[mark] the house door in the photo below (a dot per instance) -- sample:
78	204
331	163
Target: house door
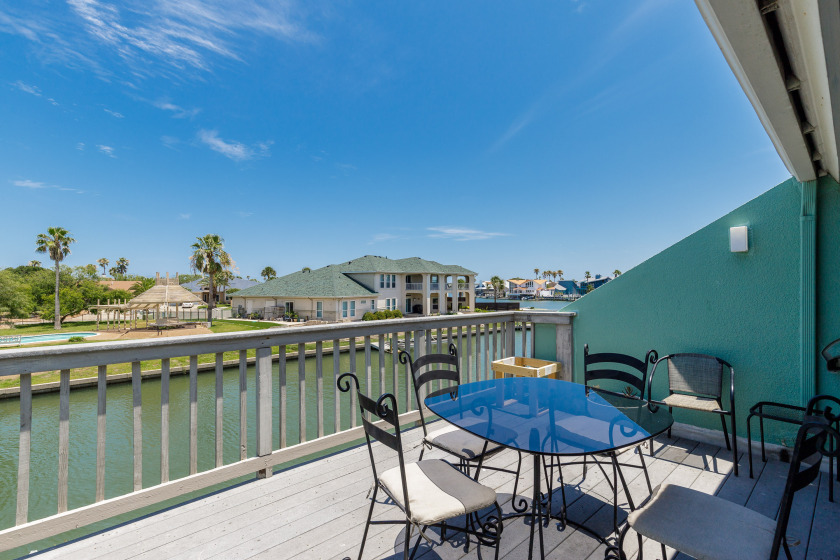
408	305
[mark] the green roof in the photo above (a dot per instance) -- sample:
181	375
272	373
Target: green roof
332	281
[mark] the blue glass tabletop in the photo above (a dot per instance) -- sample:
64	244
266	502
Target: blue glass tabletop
547	416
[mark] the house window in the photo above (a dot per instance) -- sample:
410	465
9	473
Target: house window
381	280
373	304
344	309
352	308
319	309
290	307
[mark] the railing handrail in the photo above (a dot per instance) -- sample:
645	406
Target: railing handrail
49	358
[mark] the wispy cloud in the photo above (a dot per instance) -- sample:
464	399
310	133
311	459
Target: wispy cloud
184	216
80	146
232	149
177	111
33	90
107	150
156	37
382	237
462	233
114	114
38	185
244	214
169	141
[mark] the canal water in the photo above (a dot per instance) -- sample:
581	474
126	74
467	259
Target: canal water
541	305
119	451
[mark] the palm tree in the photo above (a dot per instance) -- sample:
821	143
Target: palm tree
616	273
498	285
209	257
536	273
56	242
142	285
103	262
306	269
268	273
122	265
35	264
587	275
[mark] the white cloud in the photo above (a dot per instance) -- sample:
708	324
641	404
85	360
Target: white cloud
169	141
80	146
244	214
107	150
381	237
177	112
462	234
37	185
184	216
114	113
232	149
154	37
34	90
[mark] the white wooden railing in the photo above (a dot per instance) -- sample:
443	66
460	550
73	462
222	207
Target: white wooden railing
414	286
480	338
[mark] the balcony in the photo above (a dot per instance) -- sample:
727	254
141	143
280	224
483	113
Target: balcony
461	286
258	411
434	286
414	286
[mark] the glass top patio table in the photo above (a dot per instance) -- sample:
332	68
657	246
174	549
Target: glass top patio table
548	416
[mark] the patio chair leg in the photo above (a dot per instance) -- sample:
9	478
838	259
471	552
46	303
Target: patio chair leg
644	468
761	427
734	443
623	482
407	539
664	554
671	412
749	443
584	466
367	523
518	471
419	538
725	432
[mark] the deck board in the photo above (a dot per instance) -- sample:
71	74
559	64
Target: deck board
317	510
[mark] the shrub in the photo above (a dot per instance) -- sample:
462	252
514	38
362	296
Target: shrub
380	315
368	316
76	339
397	314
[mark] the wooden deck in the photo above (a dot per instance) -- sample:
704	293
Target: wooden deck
317	510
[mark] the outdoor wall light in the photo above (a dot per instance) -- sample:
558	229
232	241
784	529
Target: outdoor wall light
739	239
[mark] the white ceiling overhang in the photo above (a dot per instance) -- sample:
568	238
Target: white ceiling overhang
786	56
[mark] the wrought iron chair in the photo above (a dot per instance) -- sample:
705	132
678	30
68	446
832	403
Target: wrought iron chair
695	382
705	526
470	449
609	366
428	492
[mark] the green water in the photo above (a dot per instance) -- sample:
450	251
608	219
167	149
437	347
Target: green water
43	500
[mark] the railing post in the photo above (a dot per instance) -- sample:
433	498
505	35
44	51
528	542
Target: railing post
565	353
510	335
263	407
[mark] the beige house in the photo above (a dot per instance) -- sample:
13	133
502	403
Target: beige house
346	291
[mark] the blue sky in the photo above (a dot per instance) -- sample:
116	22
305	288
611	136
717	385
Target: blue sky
502	136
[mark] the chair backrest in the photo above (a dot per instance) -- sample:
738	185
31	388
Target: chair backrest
698	374
432	367
812	444
817	407
605	365
383	409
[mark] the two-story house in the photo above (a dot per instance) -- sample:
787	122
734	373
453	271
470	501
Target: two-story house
345	291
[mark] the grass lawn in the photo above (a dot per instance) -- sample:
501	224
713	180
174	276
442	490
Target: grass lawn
47	328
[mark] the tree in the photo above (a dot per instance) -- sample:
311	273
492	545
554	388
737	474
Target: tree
559	273
14	295
113	272
122	265
35	264
587	275
56	242
536	273
103	262
306	269
142	285
210	258
268	273
616	273
498	285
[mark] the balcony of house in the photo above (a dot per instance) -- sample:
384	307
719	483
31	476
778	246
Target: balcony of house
461	286
414	287
240	446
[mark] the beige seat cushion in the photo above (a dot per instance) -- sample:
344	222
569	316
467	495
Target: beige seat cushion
460	442
704	526
436	491
692	402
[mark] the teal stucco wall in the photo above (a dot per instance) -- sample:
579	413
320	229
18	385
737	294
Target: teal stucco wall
697	296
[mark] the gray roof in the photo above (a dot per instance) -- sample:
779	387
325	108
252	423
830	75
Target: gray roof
235	284
333	281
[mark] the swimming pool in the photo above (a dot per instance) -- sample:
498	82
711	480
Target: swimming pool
51	337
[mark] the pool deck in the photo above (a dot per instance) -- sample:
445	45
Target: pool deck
317	510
